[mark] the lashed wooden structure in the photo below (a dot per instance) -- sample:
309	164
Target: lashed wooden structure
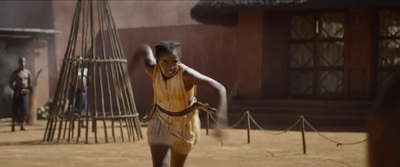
93	86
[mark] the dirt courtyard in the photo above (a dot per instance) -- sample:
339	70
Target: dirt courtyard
25	148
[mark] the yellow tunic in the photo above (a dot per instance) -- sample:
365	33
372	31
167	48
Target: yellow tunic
171	94
181	132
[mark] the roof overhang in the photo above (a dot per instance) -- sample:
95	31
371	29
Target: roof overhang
26	32
225	12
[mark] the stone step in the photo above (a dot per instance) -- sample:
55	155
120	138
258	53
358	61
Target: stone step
303	104
299	111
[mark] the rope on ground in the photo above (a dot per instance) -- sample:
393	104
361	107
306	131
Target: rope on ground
333	141
272	133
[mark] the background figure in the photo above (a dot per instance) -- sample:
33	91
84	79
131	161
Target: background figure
78	89
20	83
384	128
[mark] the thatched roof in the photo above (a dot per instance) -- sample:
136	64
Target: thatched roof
225	12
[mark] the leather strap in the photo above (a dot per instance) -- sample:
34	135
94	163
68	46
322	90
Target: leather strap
180	113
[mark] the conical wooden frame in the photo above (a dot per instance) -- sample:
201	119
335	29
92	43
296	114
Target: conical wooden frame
93	92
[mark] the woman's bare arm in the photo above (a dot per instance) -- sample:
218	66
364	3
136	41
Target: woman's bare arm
146	54
192	77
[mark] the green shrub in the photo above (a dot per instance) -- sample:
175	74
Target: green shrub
44	111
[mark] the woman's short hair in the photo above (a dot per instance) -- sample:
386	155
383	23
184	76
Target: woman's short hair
168	47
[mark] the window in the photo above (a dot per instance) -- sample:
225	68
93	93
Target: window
316	56
389	45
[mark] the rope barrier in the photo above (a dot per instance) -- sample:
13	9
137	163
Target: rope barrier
333	141
271	133
288	129
234	125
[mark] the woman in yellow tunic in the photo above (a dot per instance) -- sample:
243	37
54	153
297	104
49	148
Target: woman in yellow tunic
174	124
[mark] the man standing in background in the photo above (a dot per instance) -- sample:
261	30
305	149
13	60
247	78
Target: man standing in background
20	83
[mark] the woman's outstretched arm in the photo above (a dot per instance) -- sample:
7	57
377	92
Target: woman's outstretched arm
192	77
145	53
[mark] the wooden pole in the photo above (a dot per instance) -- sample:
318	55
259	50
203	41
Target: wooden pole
32	116
248	127
208	123
303	135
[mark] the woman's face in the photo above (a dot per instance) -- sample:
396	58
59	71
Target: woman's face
169	64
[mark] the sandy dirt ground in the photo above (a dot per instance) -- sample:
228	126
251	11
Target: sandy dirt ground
25	148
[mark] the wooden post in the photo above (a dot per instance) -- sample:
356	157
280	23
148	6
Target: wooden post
208	123
248	127
303	135
32	115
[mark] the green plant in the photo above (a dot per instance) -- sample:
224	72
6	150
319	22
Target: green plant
44	111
